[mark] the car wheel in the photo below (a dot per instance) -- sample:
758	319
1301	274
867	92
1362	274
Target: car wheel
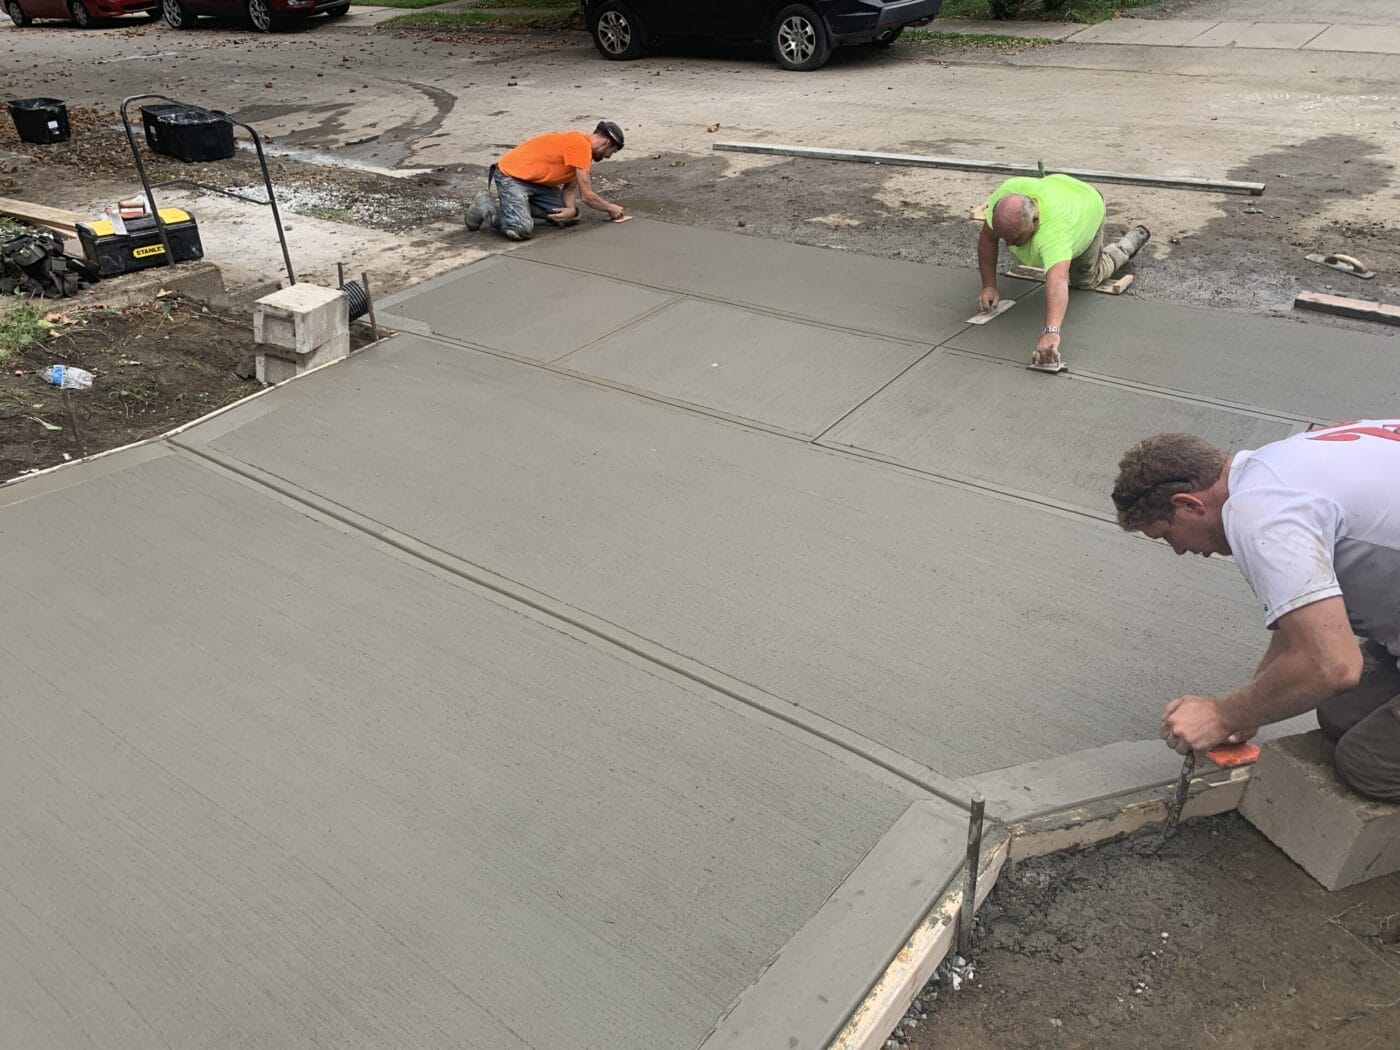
889	36
260	14
81	18
799	39
176	15
17	15
616	32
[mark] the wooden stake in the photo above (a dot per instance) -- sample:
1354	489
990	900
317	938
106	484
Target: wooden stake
73	422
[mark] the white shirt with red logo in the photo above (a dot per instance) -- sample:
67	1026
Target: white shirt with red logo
1317	515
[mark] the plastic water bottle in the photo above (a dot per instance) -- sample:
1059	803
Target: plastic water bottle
66	377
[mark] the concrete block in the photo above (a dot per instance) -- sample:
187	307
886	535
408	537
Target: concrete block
275	364
302	317
1296	799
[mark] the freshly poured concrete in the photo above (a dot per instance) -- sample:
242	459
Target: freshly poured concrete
514	306
494	688
924	304
952	414
287	789
800	377
1278	366
907	611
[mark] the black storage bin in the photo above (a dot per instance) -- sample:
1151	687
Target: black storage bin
188	134
40	120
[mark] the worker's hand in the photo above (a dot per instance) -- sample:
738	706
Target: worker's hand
989	299
564	214
615	212
1193	722
1047	349
1243	736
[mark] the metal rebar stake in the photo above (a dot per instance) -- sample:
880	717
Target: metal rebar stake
974	858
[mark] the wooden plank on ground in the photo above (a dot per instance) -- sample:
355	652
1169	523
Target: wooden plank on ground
1340	304
42	215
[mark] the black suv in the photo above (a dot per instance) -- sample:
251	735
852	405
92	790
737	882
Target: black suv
801	36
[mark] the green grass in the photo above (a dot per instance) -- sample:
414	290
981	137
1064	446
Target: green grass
486	5
22	325
545	19
396	3
9	228
994	41
1052	10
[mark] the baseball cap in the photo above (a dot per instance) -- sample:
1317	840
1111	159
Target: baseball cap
611	130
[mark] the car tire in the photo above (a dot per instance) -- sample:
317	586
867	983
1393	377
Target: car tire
616	33
177	15
889	36
17	15
260	15
82	17
799	39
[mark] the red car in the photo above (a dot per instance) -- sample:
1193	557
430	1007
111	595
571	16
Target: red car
83	13
265	15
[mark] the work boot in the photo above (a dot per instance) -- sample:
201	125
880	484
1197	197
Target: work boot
514	235
477	211
1131	242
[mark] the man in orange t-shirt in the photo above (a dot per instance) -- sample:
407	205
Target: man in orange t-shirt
544	178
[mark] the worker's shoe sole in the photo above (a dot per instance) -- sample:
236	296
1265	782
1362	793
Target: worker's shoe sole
476	211
1132	241
514	235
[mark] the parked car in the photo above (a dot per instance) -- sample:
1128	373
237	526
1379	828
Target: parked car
265	15
800	35
82	13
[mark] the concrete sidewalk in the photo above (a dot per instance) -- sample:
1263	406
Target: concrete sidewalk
1286	36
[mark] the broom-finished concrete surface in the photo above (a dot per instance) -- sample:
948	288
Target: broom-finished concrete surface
605	661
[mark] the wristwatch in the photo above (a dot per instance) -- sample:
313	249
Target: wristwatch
1050	329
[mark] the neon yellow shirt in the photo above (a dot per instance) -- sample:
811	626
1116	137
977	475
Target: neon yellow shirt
1071	213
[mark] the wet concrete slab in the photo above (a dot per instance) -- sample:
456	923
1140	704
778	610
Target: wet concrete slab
518	307
924	617
1277	366
749	365
942	417
302	791
912	301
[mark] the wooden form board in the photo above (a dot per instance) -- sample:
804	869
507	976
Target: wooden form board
1340	304
41	215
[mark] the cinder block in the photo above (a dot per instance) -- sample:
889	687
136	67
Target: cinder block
1296	799
302	317
276	364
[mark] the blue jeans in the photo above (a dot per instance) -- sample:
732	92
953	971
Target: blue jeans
521	203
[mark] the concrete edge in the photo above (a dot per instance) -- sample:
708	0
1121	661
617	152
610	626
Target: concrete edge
1077	827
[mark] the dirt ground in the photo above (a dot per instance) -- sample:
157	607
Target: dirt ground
156	366
1211	939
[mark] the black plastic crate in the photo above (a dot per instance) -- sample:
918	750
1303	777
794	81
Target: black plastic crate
187	134
40	120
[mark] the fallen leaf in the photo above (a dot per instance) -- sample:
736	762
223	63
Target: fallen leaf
712	128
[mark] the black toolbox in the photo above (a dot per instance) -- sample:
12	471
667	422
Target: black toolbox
188	134
114	253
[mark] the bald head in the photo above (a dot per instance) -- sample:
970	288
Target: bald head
1014	218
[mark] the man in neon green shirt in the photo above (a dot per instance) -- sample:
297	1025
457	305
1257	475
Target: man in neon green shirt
1055	223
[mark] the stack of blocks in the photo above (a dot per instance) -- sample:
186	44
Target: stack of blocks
299	328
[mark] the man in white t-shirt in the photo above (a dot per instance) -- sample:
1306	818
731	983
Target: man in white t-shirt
1313	522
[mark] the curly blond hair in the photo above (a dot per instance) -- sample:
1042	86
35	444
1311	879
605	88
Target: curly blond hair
1156	469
